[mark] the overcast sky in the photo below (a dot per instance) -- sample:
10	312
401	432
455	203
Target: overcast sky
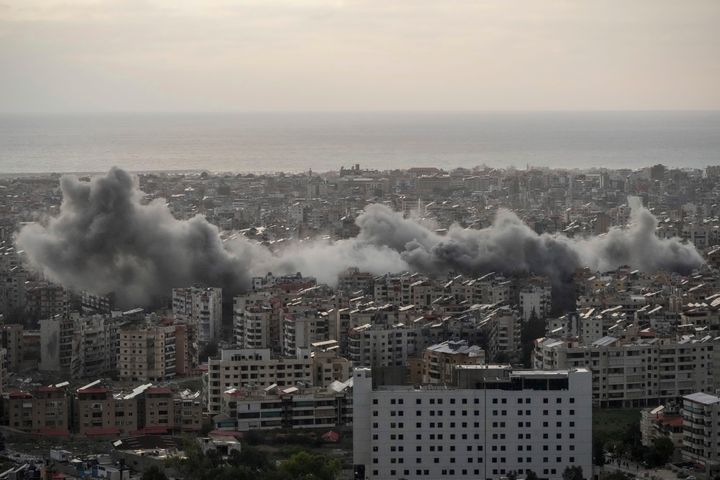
298	55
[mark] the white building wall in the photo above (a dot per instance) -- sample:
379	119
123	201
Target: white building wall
448	433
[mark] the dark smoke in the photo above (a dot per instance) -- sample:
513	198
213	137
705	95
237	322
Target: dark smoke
104	240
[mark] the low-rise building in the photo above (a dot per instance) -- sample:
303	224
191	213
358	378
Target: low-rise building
291	407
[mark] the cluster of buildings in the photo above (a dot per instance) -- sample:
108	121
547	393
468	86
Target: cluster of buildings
445	376
99	410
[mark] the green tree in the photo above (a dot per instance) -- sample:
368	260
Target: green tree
251	458
531	475
573	473
598	453
660	453
616	476
308	466
154	473
632	440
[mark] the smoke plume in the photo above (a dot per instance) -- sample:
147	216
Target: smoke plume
105	240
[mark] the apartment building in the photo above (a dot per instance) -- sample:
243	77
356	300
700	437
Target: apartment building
188	411
492	422
246	368
394	289
97	410
303	326
159	409
13	293
291	407
56	343
701	429
80	346
502	327
44	411
253	316
147	353
95	346
589	324
636	373
327	366
3	370
378	346
201	307
186	350
439	360
535	300
45	300
11	339
661	422
353	280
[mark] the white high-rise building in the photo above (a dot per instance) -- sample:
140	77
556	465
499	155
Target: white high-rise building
493	422
252	317
535	299
201	307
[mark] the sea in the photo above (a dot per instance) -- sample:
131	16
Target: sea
297	142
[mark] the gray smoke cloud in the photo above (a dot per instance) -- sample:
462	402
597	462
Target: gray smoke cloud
510	246
105	240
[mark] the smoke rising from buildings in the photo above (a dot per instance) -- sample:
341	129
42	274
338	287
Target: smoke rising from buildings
105	240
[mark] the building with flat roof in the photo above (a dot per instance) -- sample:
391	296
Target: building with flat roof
491	422
701	429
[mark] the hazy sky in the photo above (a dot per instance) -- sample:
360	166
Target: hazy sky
210	55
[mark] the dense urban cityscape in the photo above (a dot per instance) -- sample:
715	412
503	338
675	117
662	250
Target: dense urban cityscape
361	324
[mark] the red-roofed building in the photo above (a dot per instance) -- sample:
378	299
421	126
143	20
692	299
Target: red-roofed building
159	408
19	408
94	410
51	411
46	410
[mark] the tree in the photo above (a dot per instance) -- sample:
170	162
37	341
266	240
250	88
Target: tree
660	452
598	453
531	475
573	473
616	476
250	457
632	440
307	466
154	473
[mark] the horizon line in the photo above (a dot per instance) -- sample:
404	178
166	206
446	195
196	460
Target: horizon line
356	112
